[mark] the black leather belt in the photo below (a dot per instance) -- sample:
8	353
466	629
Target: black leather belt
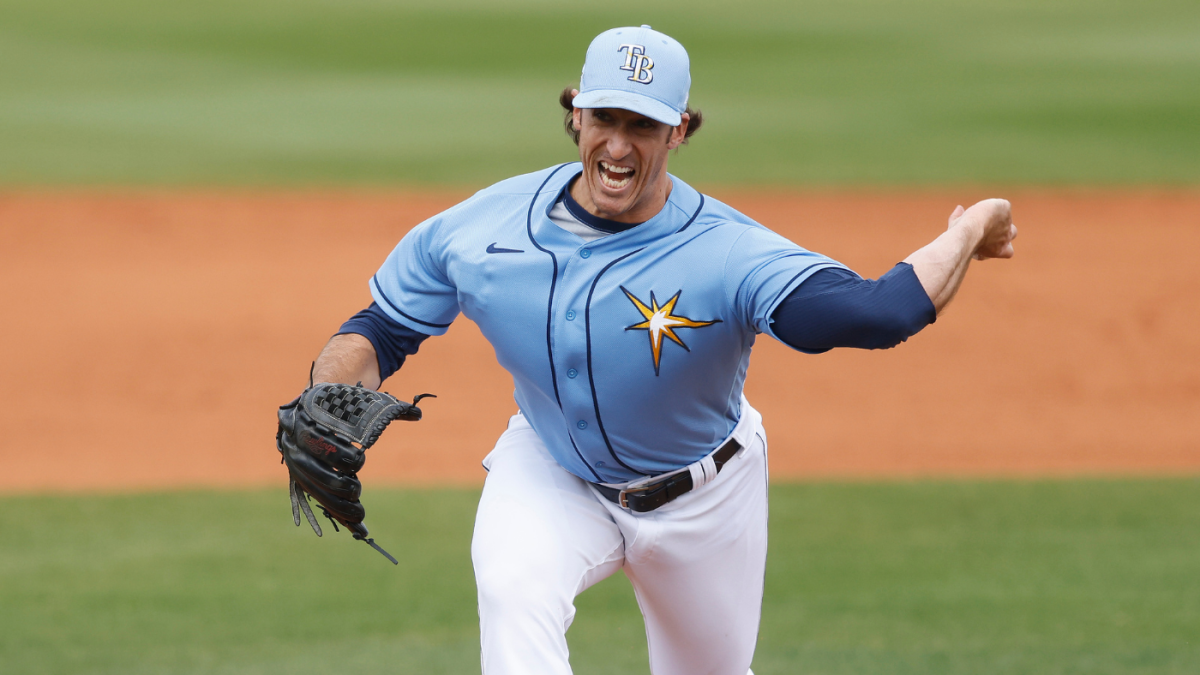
653	495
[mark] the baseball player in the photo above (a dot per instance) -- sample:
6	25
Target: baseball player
625	304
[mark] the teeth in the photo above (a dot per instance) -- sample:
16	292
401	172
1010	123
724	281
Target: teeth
615	184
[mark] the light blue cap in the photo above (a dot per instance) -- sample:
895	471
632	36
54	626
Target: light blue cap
637	69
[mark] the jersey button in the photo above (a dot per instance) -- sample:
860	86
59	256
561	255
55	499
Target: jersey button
572	373
581	424
570	315
585	253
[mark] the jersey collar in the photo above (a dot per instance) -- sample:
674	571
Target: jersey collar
584	216
681	209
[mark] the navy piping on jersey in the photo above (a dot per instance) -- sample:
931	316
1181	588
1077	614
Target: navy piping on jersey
693	218
550	307
585	217
580	455
402	312
587	327
793	279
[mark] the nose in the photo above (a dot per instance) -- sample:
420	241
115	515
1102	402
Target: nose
618	144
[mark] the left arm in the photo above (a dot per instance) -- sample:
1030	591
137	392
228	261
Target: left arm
836	308
983	231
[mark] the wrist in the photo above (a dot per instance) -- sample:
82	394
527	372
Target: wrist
973	232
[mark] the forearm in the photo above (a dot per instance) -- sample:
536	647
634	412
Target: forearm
942	264
983	231
349	358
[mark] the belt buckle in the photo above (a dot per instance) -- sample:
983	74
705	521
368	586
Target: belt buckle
622	499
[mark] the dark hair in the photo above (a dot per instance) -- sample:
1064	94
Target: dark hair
565	99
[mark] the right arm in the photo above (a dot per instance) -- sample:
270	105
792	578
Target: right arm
348	358
368	348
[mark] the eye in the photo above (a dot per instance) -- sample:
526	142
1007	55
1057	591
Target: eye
602	116
647	125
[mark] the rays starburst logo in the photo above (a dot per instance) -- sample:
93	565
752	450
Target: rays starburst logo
661	322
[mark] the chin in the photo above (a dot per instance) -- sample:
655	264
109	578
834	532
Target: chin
610	205
613	207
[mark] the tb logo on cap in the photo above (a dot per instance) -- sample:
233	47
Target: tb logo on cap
637	63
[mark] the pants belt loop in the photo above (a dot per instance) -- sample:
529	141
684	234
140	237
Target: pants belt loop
703	471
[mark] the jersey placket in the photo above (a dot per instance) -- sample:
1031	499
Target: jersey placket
570	336
570	354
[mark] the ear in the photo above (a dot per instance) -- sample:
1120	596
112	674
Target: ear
577	119
678	133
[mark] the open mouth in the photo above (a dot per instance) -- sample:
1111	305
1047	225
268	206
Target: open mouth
615	177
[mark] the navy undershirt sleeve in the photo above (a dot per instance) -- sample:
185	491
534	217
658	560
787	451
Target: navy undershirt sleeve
837	308
393	341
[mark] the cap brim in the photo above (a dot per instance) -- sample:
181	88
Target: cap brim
643	105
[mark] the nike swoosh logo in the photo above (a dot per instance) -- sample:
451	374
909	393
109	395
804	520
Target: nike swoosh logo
492	249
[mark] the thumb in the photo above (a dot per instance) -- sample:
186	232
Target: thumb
958	211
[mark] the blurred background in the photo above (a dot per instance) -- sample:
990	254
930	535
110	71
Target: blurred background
1014	490
369	92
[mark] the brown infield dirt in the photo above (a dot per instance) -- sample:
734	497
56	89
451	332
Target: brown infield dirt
150	337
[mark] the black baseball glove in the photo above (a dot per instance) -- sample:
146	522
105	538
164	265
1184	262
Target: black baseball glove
323	437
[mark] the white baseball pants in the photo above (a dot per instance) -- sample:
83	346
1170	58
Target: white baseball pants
543	536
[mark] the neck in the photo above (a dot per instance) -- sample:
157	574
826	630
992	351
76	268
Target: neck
590	219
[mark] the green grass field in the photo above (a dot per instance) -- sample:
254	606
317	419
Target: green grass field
267	92
1047	577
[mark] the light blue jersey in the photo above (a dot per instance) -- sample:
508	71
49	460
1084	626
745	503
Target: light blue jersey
628	353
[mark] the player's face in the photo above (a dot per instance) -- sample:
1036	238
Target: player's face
624	157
